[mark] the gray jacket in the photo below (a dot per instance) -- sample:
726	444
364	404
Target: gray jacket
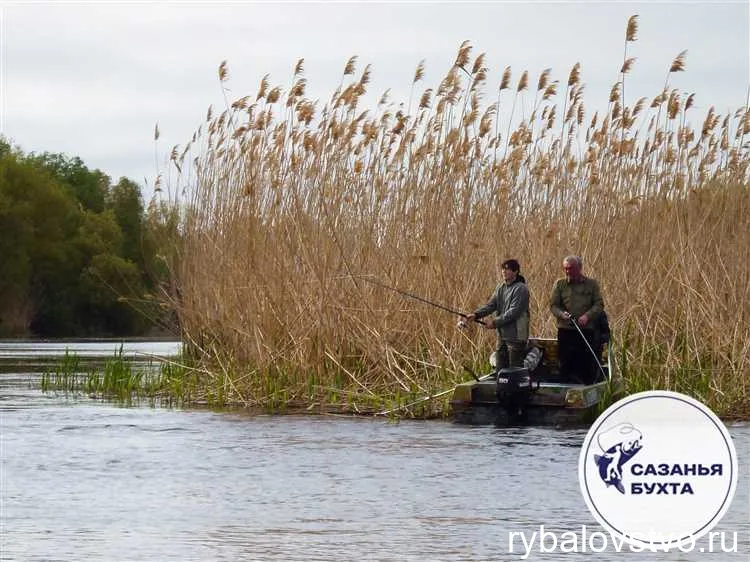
511	303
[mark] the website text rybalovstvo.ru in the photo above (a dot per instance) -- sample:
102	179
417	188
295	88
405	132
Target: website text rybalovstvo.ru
544	541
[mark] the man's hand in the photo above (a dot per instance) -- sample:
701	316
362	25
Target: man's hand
463	324
583	320
566	315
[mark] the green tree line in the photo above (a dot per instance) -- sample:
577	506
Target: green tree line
79	255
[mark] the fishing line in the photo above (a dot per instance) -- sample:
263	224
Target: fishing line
596	359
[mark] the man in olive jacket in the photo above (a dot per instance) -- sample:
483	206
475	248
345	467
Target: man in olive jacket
510	302
577	298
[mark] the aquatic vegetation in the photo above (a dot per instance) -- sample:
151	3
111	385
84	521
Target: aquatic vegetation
702	376
287	207
166	383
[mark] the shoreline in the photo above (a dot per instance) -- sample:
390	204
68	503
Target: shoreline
176	382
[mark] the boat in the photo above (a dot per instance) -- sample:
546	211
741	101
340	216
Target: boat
536	394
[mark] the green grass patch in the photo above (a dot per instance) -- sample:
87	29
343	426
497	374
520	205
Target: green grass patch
119	380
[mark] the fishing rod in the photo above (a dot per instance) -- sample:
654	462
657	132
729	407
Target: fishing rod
596	359
438	395
440	306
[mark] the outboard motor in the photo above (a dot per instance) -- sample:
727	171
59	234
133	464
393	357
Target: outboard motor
514	390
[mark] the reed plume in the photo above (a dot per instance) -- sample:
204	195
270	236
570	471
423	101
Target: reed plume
289	208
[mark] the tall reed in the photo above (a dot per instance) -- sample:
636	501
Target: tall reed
287	206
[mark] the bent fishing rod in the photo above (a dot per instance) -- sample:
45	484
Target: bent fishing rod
574	321
416	297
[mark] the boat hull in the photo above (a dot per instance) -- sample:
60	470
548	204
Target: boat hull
552	402
492	412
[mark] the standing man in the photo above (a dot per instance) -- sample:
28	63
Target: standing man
510	302
577	298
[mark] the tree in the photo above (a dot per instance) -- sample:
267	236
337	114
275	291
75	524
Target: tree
76	256
127	206
40	265
90	188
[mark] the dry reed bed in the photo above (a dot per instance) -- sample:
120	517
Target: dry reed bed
288	207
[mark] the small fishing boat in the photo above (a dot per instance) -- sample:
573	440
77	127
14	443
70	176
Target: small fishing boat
537	394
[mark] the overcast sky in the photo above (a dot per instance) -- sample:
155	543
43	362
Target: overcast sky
92	79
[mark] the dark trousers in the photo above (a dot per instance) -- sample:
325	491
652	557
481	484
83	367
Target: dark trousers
510	353
576	360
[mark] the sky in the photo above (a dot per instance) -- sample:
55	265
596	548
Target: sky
93	79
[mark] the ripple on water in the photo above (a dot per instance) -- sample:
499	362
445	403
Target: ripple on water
83	480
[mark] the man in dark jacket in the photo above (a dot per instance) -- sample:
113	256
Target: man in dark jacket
577	298
510	302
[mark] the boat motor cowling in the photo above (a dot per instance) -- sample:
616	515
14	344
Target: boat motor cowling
514	389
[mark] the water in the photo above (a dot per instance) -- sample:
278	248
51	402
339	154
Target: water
86	480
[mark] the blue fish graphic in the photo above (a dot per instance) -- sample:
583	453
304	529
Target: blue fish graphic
618	444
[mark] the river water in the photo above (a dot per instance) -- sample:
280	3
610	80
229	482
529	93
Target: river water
81	479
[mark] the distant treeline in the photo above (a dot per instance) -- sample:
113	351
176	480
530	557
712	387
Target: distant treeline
79	255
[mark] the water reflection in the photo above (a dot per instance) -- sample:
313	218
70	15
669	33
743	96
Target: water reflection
103	348
82	479
38	356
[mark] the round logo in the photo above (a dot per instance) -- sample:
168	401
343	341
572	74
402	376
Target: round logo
658	469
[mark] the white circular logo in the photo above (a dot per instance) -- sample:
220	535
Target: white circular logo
658	469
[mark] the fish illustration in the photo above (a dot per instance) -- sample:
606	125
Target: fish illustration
619	444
